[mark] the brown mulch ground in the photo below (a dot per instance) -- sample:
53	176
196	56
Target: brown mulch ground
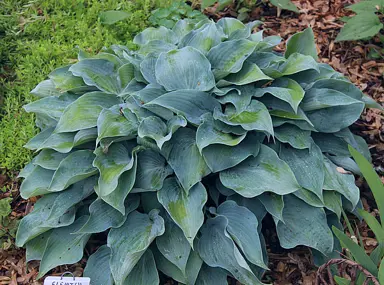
350	58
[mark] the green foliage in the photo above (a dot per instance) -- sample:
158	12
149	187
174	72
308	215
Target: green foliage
179	149
365	24
285	5
39	36
373	263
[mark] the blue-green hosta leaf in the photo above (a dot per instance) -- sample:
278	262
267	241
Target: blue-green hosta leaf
211	276
252	204
64	80
294	136
361	26
153	127
52	106
355	141
285	89
341	85
46	139
184	208
329	143
274	204
265	59
117	198
307	165
129	242
126	74
98	72
35	247
156	47
242	227
309	197
217	249
219	157
249	73
75	167
174	246
49	159
103	216
334	119
191	104
53	211
83	113
345	162
160	33
302	125
185	159
168	268
271	173
112	123
152	169
183	27
203	38
209	133
84	136
340	182
228	57
144	272
98	260
63	247
333	202
45	88
112	17
185	68
147	67
303	43
111	166
36	183
304	225
233	28
295	63
254	117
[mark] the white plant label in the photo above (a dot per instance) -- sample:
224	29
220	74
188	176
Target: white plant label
57	280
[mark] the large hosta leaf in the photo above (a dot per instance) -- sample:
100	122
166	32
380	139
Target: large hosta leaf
274	204
185	159
49	159
152	169
228	57
53	211
153	127
111	166
103	216
304	225
186	68
191	104
63	247
254	117
211	276
219	157
98	72
340	182
100	259
302	42
83	113
271	173
174	246
184	208
293	135
144	272
52	106
151	34
307	165
111	123
129	242
285	89
217	249
36	183
242	227
75	167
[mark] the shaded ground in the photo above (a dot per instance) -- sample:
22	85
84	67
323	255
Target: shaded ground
354	59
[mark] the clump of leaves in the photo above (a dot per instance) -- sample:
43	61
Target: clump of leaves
180	149
8	226
367	22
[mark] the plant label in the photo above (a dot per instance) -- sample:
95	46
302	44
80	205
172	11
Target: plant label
57	280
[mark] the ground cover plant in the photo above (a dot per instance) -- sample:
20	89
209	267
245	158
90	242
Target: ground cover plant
177	152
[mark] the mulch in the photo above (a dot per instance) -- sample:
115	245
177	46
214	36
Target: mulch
350	58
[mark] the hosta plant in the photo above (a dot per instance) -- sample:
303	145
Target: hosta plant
172	155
